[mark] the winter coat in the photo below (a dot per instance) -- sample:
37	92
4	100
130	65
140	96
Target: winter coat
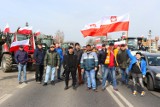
79	55
39	55
21	57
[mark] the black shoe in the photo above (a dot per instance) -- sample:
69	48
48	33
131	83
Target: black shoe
89	88
66	88
45	84
95	90
52	82
60	79
74	87
103	89
25	82
20	82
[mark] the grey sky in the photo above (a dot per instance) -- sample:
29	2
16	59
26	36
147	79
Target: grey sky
70	16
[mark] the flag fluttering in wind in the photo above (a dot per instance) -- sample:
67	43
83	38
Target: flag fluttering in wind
37	33
25	30
115	23
6	29
106	25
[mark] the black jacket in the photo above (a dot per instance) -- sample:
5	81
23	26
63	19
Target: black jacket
39	56
123	59
79	54
102	56
70	62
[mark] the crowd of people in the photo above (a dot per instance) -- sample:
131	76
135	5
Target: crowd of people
84	66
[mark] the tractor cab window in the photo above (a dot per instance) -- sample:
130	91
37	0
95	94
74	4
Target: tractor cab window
21	37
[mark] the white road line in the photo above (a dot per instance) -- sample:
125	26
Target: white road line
4	97
123	98
21	86
114	97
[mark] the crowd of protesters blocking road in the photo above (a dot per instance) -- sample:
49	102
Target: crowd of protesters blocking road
84	66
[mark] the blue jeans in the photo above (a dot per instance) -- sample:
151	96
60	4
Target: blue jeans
124	74
48	70
20	68
108	70
91	81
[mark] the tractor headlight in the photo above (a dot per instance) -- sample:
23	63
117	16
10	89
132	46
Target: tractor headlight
158	75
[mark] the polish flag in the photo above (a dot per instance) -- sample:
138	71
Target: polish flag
6	29
25	30
98	39
37	33
15	45
92	29
114	23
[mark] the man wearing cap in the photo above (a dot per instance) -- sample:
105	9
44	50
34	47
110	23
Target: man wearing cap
39	55
110	62
70	65
51	62
123	62
89	63
138	70
21	58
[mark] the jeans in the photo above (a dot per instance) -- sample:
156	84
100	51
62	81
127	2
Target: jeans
139	76
124	74
106	70
91	79
20	67
48	70
59	71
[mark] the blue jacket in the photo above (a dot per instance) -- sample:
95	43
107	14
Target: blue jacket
39	56
60	52
21	57
89	61
134	60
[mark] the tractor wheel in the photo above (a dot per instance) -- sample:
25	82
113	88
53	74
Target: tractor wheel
6	63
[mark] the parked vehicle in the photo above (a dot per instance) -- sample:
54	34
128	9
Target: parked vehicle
152	79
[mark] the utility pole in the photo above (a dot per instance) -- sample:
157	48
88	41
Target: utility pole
149	35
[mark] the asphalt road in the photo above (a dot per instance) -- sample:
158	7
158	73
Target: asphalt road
35	95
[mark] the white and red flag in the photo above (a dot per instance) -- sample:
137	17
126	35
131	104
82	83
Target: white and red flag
92	29
25	30
114	23
6	29
15	45
37	33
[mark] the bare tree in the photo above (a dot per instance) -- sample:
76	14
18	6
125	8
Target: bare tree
59	37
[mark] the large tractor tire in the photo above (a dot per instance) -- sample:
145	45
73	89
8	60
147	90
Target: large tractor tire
6	63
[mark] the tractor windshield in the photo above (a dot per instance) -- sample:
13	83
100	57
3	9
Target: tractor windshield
48	42
21	37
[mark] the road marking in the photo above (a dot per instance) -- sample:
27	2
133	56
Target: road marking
21	86
123	98
114	97
4	97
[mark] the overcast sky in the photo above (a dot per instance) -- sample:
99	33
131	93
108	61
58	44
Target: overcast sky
70	16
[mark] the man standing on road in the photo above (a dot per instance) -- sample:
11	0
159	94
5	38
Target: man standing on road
21	58
70	66
60	52
89	63
51	62
39	55
123	62
110	62
78	52
138	70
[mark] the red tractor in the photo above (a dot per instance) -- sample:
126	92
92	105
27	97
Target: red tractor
7	57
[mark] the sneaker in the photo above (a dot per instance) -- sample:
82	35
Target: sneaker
25	82
115	89
20	82
134	92
95	90
45	84
52	82
142	93
60	79
103	89
66	88
89	88
74	87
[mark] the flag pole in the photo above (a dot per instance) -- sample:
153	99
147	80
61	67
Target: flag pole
127	37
